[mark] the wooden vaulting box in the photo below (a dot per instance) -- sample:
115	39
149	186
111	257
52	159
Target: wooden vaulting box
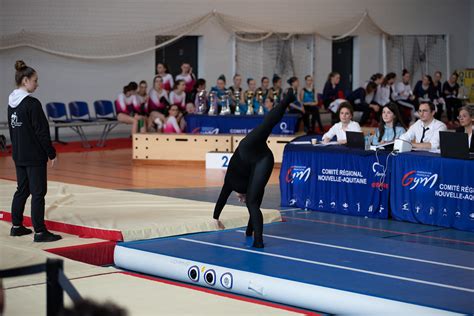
178	147
275	143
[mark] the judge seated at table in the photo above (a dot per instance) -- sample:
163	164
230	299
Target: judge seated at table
424	134
345	112
466	119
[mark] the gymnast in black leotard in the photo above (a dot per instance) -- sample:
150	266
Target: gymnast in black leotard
249	171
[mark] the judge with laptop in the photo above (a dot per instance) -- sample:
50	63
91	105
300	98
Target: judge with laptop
466	119
345	125
424	133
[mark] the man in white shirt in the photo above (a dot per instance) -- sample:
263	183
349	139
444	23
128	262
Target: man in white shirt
424	134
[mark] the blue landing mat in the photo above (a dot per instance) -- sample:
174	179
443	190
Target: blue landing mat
436	277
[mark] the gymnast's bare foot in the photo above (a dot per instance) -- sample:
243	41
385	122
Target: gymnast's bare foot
258	242
249	231
219	224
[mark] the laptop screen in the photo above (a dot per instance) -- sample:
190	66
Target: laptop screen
355	140
454	145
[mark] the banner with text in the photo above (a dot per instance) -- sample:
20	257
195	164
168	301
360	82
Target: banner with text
338	180
235	124
433	190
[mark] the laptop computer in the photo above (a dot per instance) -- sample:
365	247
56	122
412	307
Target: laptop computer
355	140
454	145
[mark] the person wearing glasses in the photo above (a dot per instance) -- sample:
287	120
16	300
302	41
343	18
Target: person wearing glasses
466	120
424	134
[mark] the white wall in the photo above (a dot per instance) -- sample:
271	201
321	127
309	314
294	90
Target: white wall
65	79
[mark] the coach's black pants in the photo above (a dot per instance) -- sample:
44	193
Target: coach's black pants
30	180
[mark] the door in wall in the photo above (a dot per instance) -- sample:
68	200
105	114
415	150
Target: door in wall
183	50
342	57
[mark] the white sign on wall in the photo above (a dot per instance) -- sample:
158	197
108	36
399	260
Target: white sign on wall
216	160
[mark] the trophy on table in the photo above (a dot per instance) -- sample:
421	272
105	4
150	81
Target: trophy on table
225	103
276	100
260	102
237	102
249	100
201	102
212	103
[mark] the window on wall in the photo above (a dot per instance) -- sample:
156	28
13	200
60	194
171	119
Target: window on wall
277	54
419	54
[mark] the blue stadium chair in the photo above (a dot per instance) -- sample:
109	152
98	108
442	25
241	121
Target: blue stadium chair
79	111
104	110
56	112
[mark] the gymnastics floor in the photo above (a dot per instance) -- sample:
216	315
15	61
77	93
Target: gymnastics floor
311	264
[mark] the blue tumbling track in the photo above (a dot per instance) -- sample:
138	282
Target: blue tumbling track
438	277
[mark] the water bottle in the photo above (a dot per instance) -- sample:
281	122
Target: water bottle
367	140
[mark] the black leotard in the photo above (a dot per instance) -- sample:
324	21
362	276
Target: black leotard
250	168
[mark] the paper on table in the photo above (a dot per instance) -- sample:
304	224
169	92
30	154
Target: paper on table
327	144
302	142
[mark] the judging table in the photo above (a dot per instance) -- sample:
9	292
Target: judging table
419	187
236	124
334	179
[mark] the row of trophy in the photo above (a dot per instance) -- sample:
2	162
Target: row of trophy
225	101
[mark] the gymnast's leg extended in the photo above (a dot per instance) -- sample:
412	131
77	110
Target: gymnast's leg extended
256	188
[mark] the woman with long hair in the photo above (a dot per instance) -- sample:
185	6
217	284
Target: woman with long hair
31	150
390	126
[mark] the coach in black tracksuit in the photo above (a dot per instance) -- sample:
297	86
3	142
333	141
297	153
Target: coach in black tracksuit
31	148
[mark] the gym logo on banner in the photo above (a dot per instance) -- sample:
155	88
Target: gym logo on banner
206	130
298	174
419	179
284	128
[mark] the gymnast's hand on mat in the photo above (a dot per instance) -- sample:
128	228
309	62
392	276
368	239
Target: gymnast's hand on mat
54	162
242	197
219	224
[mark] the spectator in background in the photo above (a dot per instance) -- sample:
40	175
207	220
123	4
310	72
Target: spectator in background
276	90
199	86
269	103
384	92
377	78
174	122
439	100
251	91
390	126
128	108
178	96
142	95
158	102
237	87
296	107
332	91
162	70
424	133
466	120
361	100
263	90
450	93
404	97
219	91
345	124
188	77
424	91
307	97
437	83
